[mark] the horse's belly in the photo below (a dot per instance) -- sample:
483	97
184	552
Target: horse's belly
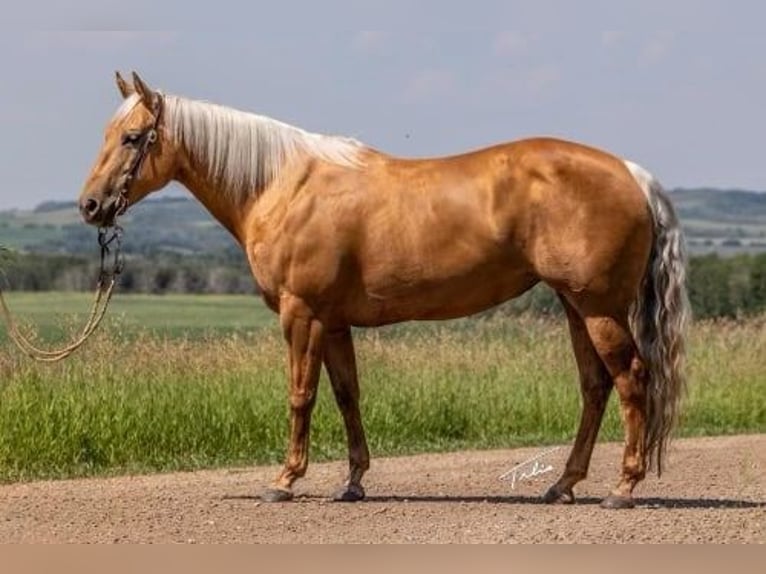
442	298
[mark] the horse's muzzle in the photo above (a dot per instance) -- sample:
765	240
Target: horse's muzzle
97	212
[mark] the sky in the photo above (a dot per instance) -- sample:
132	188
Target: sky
677	86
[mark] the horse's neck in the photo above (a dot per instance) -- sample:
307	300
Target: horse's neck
229	213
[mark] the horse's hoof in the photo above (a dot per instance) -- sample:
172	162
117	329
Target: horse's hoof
617	501
349	493
554	495
276	495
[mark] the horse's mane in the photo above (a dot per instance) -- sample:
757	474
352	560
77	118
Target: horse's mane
244	152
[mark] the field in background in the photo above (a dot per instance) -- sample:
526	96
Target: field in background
144	396
174	315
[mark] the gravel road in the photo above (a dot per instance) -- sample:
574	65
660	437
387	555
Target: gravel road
714	490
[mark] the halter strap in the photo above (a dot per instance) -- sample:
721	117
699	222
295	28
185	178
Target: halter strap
148	137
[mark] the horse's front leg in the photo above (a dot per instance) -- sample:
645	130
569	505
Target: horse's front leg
303	332
340	362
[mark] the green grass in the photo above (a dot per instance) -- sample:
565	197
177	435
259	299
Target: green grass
137	400
54	315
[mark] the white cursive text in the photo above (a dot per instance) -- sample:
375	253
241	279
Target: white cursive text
529	468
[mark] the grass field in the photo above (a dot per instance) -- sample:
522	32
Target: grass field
143	396
190	316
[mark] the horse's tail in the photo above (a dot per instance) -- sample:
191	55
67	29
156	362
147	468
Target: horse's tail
659	319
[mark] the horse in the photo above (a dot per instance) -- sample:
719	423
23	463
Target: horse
338	234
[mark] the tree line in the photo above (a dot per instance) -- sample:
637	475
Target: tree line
718	286
160	274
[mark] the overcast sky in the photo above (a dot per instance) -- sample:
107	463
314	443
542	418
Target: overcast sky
679	87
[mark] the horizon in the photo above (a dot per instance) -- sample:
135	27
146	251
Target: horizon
182	194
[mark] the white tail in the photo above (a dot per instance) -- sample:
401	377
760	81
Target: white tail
659	319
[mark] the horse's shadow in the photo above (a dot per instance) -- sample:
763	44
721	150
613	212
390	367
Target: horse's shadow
649	502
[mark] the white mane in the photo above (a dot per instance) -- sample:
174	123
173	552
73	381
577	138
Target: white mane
245	152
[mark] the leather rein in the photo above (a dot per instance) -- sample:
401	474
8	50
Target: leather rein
110	243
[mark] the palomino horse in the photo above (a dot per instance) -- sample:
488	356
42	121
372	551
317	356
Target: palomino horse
338	234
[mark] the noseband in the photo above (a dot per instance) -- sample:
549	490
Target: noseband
147	138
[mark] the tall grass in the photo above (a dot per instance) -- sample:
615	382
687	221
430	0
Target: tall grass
136	401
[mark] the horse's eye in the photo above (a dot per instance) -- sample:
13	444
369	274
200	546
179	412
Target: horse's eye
131	138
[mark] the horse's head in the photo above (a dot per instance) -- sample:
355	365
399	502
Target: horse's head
136	158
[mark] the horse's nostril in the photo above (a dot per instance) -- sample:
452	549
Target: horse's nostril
91	206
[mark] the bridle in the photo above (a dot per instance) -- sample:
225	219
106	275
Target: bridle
147	138
110	243
108	237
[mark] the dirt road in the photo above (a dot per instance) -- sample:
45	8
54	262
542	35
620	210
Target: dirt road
713	491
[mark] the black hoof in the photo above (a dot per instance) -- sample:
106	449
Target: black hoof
349	493
615	501
554	495
276	495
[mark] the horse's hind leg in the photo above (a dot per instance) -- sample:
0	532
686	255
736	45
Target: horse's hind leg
595	386
340	363
611	337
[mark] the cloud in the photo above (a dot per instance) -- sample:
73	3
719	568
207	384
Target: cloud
429	84
655	48
526	84
510	44
611	38
368	41
542	80
99	40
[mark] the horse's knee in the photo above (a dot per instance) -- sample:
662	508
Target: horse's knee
301	401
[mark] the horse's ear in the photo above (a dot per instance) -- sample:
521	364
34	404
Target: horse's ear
148	95
125	88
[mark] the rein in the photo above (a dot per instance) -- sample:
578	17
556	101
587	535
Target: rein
107	280
107	277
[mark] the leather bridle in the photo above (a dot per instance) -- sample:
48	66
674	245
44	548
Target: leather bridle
147	138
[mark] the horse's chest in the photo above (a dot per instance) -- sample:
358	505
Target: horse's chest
281	267
264	271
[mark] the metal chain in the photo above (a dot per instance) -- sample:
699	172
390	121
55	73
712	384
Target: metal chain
118	262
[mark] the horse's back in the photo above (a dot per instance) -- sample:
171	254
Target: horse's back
545	202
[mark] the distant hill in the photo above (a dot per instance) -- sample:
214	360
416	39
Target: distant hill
714	221
729	221
172	224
